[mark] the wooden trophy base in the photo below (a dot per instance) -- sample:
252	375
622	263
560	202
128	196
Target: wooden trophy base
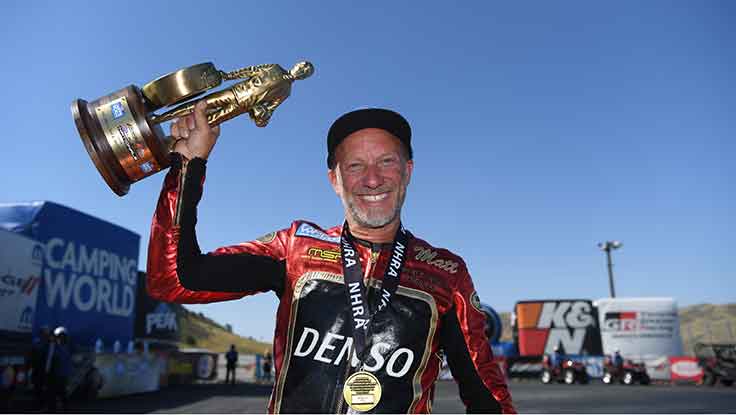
122	143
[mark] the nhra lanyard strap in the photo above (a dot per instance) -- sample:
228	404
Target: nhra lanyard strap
355	288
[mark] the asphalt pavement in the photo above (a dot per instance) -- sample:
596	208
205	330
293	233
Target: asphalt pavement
529	397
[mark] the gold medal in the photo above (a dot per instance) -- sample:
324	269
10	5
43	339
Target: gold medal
362	391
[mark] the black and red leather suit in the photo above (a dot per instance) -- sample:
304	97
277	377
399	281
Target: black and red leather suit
435	307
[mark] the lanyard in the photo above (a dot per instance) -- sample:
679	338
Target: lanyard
355	288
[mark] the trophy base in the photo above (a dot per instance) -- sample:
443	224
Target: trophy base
123	145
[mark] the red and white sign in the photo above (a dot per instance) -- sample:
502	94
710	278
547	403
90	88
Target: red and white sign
685	368
640	328
20	269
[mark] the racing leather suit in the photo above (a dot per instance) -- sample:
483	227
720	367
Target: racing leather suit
435	307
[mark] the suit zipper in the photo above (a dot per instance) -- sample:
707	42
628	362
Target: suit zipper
368	279
179	195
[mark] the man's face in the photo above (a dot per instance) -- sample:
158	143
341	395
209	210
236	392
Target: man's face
371	177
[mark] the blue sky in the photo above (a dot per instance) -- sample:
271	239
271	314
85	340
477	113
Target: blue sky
540	128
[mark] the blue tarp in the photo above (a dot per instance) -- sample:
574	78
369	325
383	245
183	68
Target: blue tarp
507	349
90	270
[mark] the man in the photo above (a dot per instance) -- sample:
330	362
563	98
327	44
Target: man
267	363
555	359
364	307
58	369
232	360
39	351
618	362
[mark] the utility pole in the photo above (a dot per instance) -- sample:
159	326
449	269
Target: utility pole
607	247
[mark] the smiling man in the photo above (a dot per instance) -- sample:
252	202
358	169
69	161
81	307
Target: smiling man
365	307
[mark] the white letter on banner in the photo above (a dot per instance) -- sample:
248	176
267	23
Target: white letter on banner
50	259
104	262
128	301
553	312
79	302
132	271
88	262
70	258
572	344
579	315
103	295
58	287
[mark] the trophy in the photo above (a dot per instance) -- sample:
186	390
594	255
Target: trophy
123	134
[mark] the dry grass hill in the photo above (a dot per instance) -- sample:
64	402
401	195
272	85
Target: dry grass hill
199	331
707	323
702	322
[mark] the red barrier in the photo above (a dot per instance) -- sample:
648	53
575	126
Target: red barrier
685	368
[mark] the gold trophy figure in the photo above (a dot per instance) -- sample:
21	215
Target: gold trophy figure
266	87
124	138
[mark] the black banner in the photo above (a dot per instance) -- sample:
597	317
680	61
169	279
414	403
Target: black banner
154	320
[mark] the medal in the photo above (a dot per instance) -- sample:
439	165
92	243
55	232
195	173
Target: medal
362	391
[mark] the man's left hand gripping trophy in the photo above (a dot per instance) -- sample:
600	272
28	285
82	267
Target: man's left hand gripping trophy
124	138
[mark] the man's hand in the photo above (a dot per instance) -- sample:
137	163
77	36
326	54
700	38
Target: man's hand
193	136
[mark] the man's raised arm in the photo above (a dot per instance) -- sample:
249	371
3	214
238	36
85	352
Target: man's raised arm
177	270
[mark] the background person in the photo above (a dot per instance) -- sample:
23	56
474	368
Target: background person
618	362
58	369
231	357
39	351
266	366
555	359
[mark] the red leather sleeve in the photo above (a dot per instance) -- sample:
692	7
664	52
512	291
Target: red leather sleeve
472	326
163	282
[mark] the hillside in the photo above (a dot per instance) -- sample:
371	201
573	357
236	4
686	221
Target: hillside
197	330
709	323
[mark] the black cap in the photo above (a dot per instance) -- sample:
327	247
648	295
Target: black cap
356	120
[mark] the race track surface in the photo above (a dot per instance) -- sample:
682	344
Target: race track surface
529	396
